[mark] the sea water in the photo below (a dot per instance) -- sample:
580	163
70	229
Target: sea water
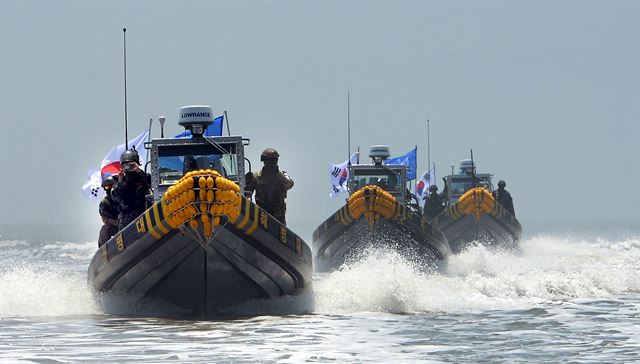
566	296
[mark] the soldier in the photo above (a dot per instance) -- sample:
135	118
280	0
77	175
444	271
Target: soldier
132	188
504	197
271	185
434	204
108	212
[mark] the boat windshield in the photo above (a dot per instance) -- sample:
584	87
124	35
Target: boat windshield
176	160
388	179
460	185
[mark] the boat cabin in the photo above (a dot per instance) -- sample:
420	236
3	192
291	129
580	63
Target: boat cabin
392	178
466	179
172	158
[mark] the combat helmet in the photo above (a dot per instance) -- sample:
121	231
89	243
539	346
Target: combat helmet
433	188
108	182
269	153
502	184
129	156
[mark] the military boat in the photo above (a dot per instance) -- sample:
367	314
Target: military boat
378	213
473	215
201	247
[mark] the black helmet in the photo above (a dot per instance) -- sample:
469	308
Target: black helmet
433	188
108	181
269	153
129	156
502	184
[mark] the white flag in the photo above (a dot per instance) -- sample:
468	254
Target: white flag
339	176
422	187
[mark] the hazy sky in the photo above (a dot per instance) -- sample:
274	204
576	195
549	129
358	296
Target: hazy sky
547	93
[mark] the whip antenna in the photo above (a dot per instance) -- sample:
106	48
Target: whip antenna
226	121
473	171
126	135
348	129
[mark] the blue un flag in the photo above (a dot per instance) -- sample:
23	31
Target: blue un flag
408	159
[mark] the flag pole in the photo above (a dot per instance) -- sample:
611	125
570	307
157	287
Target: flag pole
428	146
126	136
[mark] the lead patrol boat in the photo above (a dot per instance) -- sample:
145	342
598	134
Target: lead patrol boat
202	247
378	213
473	215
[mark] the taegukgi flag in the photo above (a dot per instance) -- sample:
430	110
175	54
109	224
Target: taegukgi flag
339	175
92	188
422	187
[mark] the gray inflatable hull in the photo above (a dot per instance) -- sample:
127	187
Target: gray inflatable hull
145	271
498	229
341	240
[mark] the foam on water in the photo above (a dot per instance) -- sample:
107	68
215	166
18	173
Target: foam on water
31	291
49	279
45	279
547	269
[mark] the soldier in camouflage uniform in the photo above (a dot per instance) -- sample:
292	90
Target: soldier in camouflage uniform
108	212
435	203
270	184
504	197
132	189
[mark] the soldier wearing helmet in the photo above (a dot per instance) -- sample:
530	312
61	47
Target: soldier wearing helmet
504	197
435	203
270	184
132	188
108	212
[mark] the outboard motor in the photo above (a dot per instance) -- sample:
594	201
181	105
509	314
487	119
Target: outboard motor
196	119
379	153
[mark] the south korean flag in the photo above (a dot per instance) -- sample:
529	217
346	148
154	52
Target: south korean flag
339	176
92	189
422	187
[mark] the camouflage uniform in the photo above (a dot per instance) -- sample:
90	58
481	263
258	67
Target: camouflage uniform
434	204
131	196
271	188
504	198
109	214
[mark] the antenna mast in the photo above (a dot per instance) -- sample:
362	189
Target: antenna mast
225	120
126	135
473	171
348	129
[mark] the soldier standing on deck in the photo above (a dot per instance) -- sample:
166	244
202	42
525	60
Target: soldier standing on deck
132	188
504	197
271	185
435	203
108	212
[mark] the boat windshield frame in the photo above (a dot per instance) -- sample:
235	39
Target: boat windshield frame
458	184
203	155
378	171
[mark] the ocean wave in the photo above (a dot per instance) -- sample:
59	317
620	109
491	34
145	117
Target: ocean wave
6	244
546	269
29	290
